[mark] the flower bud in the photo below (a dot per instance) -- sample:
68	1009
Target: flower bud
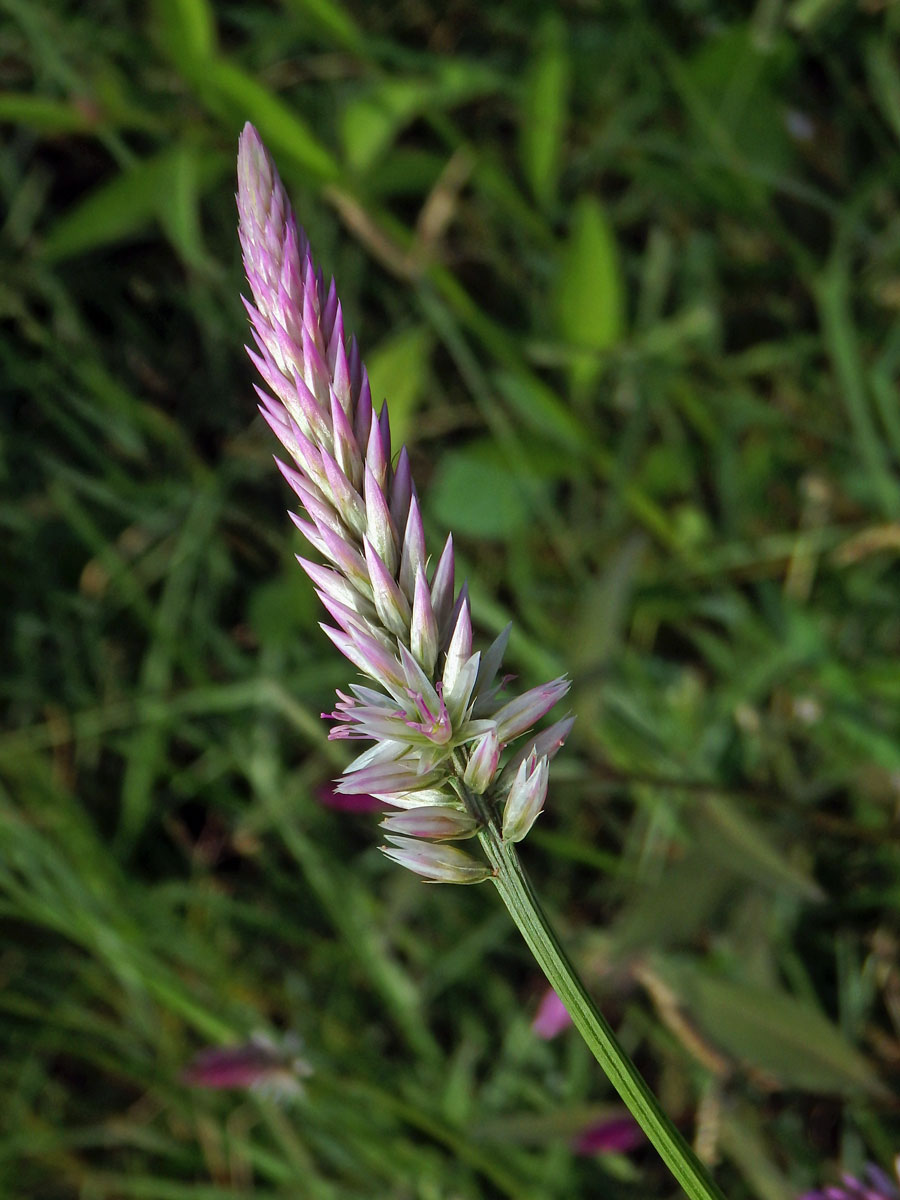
522	712
437	864
482	766
546	744
526	798
435	821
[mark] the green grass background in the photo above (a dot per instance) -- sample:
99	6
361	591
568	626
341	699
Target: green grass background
629	276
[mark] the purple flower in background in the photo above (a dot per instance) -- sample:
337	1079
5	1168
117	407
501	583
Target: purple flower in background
875	1185
430	709
262	1064
552	1016
616	1135
329	797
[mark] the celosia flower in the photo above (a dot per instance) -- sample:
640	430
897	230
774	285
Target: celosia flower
876	1185
431	708
261	1064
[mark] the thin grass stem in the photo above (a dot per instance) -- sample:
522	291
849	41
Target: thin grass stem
525	909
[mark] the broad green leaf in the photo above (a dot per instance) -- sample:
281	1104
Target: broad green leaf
774	1032
884	83
671	910
180	217
405	171
187	31
545	110
283	608
474	492
131	201
541	409
398	373
740	110
371	121
333	19
589	302
743	846
743	1140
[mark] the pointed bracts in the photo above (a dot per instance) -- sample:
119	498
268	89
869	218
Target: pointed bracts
430	707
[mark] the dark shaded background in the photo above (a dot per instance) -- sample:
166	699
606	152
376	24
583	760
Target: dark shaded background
629	276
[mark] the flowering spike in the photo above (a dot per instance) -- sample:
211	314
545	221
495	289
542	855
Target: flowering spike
315	372
428	714
347	499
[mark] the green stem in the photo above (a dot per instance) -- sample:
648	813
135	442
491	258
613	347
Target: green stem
525	909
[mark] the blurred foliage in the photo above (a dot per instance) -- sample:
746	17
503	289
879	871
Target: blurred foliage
630	276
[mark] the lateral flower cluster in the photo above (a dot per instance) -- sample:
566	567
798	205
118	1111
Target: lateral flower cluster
432	709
